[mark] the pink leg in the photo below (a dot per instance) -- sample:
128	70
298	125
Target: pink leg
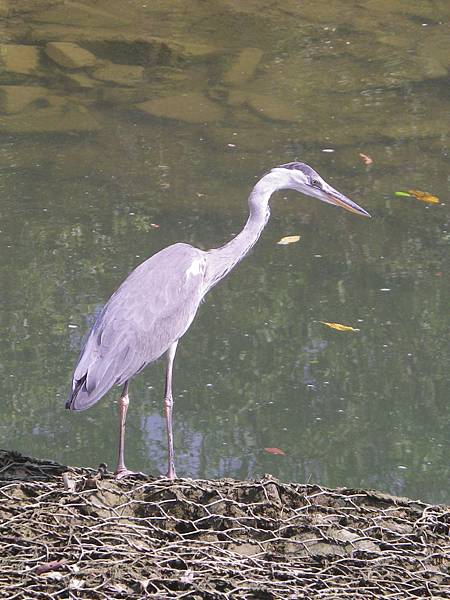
121	470
168	407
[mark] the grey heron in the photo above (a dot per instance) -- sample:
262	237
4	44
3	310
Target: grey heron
155	305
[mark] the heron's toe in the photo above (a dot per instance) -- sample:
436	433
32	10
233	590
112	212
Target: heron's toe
122	473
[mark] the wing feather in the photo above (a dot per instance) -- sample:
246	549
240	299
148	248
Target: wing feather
152	308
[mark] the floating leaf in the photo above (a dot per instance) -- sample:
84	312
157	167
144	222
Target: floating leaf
338	326
274	451
289	239
423	196
366	159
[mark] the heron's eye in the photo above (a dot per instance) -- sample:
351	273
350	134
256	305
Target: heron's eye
316	183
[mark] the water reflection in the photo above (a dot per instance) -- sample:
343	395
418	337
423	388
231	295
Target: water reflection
87	166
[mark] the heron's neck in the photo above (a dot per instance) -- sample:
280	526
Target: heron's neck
223	259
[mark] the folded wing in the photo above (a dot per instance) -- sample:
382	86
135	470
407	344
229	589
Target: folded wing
152	308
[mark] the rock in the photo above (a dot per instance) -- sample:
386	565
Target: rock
124	95
128	75
236	98
138	49
42	33
170	75
227	96
57	115
199	51
245	549
353	540
271	108
17	58
70	55
244	66
80	80
190	107
14	98
81	15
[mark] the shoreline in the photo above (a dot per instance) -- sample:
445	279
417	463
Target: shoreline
71	532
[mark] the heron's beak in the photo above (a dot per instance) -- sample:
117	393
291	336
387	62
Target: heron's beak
335	197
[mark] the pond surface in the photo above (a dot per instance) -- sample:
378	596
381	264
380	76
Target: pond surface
156	134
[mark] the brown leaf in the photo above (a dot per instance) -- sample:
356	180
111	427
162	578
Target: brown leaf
338	326
366	159
289	239
275	451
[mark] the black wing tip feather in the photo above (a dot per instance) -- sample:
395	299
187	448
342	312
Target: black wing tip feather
79	398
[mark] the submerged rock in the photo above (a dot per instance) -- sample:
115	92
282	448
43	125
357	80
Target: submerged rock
191	107
271	108
194	51
128	75
236	98
124	46
21	59
124	95
14	98
70	55
80	80
79	14
56	114
231	97
243	67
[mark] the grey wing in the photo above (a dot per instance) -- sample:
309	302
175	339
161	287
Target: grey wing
152	308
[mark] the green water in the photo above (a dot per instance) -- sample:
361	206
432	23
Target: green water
85	172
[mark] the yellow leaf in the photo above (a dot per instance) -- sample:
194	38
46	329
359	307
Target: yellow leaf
424	196
289	239
338	326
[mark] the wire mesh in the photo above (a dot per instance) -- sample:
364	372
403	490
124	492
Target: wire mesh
77	533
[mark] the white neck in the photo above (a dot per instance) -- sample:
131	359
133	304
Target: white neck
222	260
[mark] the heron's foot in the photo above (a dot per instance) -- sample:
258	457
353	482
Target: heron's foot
171	473
124	472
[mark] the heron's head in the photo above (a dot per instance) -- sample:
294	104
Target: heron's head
302	178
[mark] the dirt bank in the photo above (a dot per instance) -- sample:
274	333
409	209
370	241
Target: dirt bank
77	533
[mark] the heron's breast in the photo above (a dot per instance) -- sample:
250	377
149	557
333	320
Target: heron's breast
197	267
